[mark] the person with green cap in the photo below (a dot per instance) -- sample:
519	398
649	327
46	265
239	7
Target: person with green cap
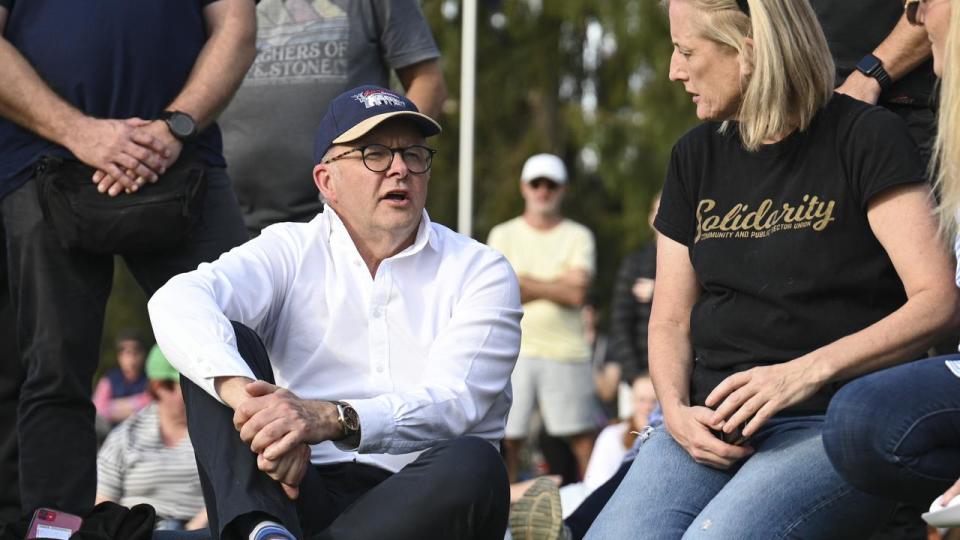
149	458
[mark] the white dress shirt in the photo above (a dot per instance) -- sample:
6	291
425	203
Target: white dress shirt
423	351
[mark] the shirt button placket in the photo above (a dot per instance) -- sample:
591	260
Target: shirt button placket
379	338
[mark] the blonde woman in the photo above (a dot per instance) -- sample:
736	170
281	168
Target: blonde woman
797	251
896	433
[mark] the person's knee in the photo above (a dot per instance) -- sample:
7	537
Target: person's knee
253	351
473	469
852	437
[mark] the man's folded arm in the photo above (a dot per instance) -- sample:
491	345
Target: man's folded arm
469	368
191	314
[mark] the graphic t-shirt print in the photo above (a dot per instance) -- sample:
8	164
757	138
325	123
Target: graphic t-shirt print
300	41
769	217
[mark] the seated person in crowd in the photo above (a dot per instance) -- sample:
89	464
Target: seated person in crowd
544	511
615	440
122	390
896	433
149	459
798	250
374	404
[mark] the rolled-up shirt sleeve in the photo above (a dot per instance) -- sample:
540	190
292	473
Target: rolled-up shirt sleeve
191	314
468	371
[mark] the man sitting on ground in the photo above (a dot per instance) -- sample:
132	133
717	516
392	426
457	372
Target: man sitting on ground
385	336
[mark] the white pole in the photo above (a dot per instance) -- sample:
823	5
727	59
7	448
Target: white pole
468	68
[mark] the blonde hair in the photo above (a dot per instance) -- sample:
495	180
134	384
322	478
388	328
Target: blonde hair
792	75
946	147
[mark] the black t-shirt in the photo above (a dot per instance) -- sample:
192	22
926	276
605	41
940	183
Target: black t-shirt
110	59
780	241
855	28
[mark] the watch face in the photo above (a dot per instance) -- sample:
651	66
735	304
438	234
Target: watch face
868	64
350	418
181	125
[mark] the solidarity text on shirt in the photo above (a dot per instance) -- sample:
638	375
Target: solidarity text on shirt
740	222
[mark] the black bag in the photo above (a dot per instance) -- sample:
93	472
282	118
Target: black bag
110	521
158	217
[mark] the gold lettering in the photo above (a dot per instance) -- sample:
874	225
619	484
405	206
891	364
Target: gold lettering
731	221
752	220
765	220
703	207
826	216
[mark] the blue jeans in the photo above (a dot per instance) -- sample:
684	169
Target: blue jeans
896	432
786	489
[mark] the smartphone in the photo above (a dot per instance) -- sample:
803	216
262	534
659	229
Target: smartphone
48	523
736	438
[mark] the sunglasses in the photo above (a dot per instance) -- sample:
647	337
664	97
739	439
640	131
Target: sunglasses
912	8
549	184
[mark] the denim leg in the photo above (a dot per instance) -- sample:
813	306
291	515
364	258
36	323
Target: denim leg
220	229
896	432
661	494
583	517
788	489
59	299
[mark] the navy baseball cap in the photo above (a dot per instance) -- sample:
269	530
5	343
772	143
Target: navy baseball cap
354	113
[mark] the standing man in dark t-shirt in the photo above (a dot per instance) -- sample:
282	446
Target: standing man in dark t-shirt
309	52
93	81
883	60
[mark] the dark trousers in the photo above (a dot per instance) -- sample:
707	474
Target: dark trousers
11	377
59	298
457	489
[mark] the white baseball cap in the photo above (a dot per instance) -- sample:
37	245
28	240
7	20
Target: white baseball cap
546	166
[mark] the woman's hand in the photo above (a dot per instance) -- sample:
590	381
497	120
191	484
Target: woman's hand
690	427
750	398
950	494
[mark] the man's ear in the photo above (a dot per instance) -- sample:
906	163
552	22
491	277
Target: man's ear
323	179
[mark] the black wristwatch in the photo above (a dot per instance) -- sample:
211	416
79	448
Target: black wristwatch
349	421
181	124
871	66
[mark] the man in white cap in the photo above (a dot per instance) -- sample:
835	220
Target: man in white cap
376	405
554	261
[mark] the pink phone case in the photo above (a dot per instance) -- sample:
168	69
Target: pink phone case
48	523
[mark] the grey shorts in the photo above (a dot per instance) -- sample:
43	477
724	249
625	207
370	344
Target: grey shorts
562	390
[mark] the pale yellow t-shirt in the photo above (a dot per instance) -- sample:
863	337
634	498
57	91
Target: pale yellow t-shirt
550	330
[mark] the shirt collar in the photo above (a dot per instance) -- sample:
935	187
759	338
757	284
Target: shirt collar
336	234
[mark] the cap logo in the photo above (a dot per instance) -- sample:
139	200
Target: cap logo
379	98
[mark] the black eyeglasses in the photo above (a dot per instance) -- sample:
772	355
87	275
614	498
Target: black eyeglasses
378	157
536	183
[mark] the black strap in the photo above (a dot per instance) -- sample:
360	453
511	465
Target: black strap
744	6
